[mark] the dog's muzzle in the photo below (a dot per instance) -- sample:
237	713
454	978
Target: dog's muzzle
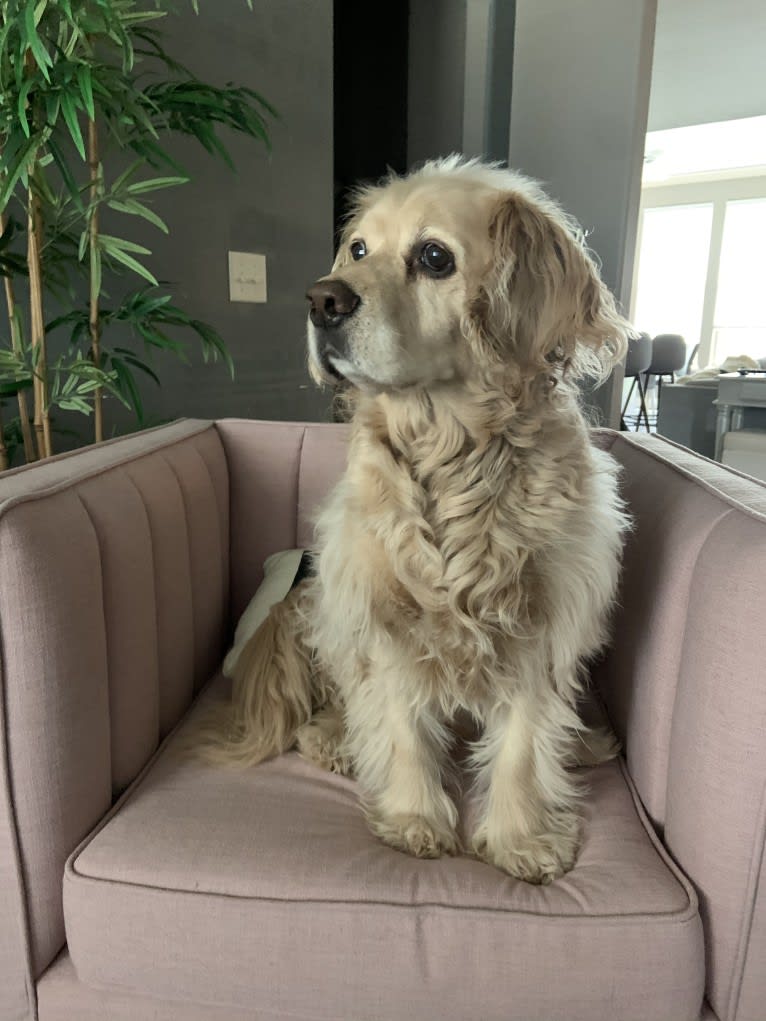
332	304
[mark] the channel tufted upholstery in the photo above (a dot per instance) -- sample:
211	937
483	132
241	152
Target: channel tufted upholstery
113	610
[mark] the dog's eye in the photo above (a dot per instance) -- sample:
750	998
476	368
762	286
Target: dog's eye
358	250
437	260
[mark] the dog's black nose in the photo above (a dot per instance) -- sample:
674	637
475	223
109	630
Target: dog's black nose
332	301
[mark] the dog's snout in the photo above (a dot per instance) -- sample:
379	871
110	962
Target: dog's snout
332	301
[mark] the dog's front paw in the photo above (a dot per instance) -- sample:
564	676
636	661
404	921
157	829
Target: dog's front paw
415	834
534	858
321	742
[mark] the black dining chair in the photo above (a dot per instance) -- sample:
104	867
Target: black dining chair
668	358
637	362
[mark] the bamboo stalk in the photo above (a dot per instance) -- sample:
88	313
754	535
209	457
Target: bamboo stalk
37	322
36	319
3	449
10	300
94	323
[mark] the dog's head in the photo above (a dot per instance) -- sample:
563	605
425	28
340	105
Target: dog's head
451	273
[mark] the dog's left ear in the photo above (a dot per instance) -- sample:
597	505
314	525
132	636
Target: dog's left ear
547	295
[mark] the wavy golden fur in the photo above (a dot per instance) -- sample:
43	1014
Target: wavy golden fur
467	560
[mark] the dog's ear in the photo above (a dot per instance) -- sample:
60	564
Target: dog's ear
545	304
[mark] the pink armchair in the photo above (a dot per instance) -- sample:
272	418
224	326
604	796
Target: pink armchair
137	883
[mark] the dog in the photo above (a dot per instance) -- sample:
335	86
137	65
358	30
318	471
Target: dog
467	560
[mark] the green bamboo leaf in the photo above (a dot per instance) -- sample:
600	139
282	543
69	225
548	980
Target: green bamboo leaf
119	36
141	17
17	327
52	107
154	184
26	88
135	208
110	243
141	305
217	146
70	116
95	270
132	359
17	169
66	174
156	338
125	176
79	331
75	404
86	89
83	245
152	38
154	154
130	263
8	233
41	55
126	385
68	317
43	191
213	345
88	386
14	142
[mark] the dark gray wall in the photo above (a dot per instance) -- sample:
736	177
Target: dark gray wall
460	66
578	120
278	204
437	48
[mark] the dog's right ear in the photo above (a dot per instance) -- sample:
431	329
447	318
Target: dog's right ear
545	305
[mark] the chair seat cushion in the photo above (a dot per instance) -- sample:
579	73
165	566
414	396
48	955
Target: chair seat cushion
265	889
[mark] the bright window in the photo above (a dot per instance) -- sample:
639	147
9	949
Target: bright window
739	321
672	268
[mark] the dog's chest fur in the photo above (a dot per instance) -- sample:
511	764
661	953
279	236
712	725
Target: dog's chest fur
442	527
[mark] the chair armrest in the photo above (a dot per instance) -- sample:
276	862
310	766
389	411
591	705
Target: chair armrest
113	608
685	688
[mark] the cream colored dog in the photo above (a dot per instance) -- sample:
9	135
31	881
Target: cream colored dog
467	560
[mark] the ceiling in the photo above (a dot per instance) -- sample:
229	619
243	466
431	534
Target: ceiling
731	148
709	62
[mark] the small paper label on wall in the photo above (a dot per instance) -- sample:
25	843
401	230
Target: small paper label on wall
247	277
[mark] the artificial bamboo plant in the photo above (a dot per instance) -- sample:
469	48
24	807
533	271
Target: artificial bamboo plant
88	98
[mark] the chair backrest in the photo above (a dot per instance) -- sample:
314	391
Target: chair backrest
668	354
280	473
639	356
685	687
114	595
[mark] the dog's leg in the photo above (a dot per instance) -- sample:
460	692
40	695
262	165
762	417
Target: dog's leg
529	826
323	740
398	752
